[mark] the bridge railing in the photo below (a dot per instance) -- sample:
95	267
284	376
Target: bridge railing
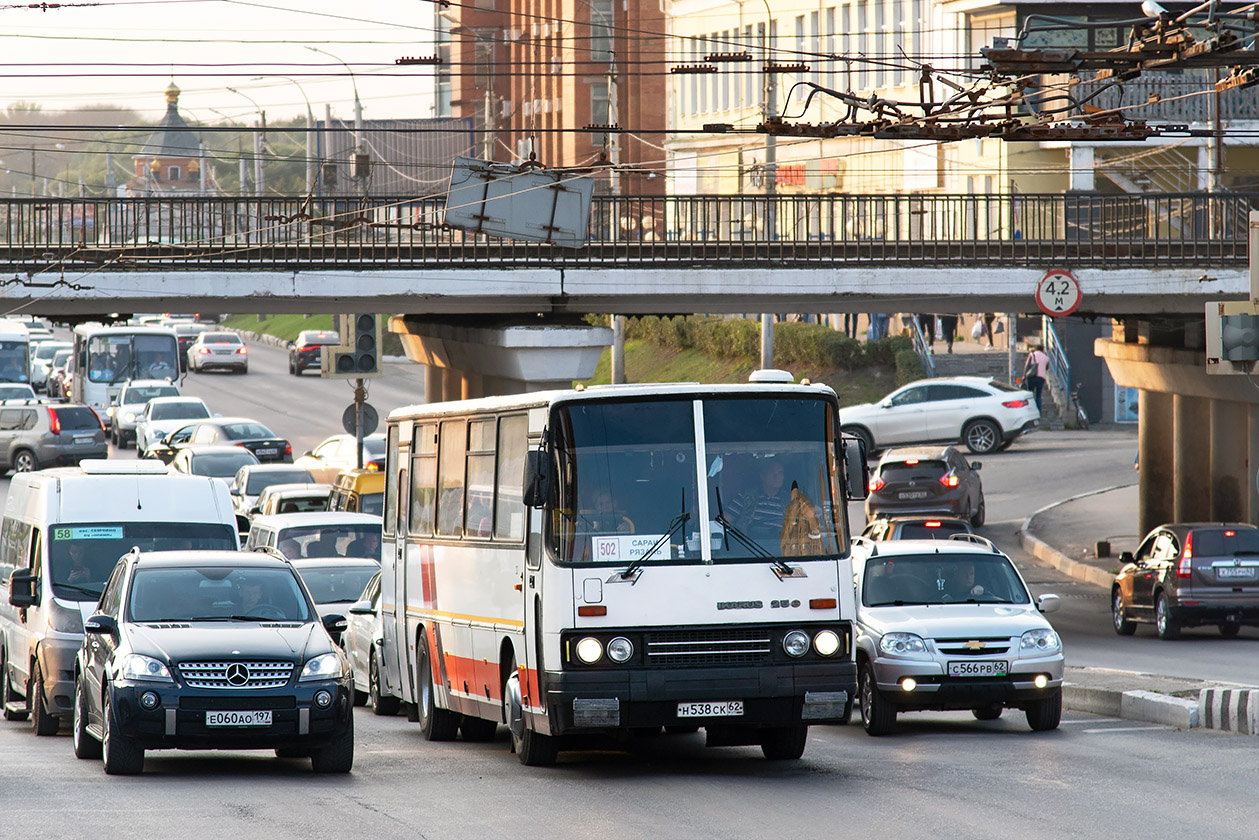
794	230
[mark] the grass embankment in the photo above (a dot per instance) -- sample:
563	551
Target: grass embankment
286	328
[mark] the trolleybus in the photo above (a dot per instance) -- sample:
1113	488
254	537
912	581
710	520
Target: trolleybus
621	559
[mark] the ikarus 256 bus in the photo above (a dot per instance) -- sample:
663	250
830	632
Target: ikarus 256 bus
620	559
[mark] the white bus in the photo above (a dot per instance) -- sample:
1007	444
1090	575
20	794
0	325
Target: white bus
15	352
105	358
619	559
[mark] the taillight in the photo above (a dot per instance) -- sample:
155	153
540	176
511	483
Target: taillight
911	461
1185	568
1230	533
307	348
203	350
288	449
1015	403
54	422
932	524
949	480
876	484
242	351
98	418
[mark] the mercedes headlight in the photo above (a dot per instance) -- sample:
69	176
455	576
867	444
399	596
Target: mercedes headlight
138	667
590	650
1040	642
906	645
326	666
796	643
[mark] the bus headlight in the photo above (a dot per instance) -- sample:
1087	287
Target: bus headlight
620	649
796	643
590	650
826	643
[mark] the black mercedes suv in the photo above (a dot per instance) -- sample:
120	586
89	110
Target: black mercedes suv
205	650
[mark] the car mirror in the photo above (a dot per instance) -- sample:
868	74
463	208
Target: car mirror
1048	603
334	624
856	470
23	588
101	624
976	465
1126	557
886	403
361	608
307	453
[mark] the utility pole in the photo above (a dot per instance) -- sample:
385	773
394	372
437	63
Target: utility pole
260	142
487	142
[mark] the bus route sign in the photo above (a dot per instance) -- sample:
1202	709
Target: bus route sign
1058	293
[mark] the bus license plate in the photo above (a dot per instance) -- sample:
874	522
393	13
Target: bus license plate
987	668
238	718
720	708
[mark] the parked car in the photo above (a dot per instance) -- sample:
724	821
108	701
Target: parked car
57	382
293	498
185	333
1188	575
234	431
36	435
211	650
163	415
306	350
16	391
124	414
213	460
984	414
329	534
916	528
223	350
950	624
252	479
340	452
41	361
363	642
926	479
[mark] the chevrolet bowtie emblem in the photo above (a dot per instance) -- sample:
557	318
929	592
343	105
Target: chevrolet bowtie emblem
974	645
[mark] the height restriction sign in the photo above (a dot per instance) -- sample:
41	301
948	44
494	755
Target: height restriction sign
1058	293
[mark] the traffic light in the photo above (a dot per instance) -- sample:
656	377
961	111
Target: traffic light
358	354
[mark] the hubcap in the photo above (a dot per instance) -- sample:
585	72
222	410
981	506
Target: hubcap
981	437
1117	609
515	707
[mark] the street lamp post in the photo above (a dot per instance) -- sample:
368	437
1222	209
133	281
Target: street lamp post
310	132
358	115
259	141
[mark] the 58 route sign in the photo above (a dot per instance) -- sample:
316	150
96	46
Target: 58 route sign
1058	293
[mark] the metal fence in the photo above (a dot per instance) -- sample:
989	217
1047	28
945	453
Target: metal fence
200	233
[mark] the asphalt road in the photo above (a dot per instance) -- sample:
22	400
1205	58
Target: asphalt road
943	774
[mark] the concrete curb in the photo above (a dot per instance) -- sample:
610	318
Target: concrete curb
1153	707
1230	709
1046	553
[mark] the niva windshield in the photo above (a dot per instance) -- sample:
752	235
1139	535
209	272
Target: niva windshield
630	480
898	580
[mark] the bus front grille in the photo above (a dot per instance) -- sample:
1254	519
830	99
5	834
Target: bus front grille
683	648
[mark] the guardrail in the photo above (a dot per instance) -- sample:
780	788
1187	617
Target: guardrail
250	234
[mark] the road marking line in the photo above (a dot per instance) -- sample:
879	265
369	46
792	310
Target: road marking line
1122	729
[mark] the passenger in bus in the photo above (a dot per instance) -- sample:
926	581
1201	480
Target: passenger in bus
759	511
12	370
605	517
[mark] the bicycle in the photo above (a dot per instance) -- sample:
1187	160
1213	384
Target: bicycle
1081	416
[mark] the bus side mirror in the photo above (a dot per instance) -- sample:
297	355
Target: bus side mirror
856	471
539	479
23	588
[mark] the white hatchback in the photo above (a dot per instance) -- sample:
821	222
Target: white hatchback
950	625
984	414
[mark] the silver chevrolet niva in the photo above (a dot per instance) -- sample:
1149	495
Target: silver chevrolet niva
950	625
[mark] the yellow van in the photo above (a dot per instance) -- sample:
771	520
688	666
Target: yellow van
362	491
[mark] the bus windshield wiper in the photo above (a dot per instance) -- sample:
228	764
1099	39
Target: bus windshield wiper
95	593
678	521
747	542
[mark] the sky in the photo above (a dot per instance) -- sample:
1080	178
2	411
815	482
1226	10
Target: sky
126	53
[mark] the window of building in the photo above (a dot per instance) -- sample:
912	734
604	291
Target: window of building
602	19
880	42
600	110
172	173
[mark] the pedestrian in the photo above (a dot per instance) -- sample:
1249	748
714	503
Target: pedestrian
880	322
1035	369
948	325
988	319
850	324
928	325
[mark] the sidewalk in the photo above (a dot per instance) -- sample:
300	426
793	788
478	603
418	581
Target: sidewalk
1063	535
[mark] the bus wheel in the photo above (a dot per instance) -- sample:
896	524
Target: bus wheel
435	724
784	743
532	748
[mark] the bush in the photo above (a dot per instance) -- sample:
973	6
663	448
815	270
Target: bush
908	366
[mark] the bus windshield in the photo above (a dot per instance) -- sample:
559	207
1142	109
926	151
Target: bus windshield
14	362
117	357
628	480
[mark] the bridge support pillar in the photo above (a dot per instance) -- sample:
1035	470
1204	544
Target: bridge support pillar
1156	459
479	356
1252	466
432	383
1230	450
1193	458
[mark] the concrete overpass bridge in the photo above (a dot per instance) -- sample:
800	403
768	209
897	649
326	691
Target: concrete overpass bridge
1133	254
